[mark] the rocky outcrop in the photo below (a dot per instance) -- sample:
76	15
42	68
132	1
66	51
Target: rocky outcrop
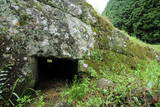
40	29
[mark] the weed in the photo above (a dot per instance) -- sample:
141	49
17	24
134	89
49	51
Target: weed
77	91
23	101
92	72
40	102
27	96
136	88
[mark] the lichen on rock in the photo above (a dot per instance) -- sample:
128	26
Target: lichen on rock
32	28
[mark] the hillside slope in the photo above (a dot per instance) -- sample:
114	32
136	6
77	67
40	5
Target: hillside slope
73	30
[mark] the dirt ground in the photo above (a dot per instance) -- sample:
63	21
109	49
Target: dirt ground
51	91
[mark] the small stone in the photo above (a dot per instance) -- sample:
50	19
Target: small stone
45	42
105	84
15	7
158	58
8	48
1	84
6	55
61	104
85	65
14	22
25	58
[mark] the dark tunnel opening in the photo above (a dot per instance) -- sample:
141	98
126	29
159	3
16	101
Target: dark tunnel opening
55	69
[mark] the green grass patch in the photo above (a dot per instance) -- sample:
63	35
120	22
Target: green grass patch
137	82
156	47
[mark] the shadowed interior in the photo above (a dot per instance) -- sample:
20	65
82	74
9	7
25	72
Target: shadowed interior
56	69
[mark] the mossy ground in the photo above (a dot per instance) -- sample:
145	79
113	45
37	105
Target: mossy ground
137	82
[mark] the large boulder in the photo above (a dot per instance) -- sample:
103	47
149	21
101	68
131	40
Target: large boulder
39	28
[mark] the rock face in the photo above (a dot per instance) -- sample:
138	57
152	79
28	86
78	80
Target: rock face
39	28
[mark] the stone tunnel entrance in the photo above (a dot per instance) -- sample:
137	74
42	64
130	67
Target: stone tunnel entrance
52	70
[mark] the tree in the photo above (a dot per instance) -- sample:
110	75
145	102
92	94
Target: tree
140	18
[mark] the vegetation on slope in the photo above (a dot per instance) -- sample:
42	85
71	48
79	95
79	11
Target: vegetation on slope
139	18
133	87
133	69
126	61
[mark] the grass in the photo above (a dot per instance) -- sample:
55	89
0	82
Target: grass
156	47
133	88
137	80
28	96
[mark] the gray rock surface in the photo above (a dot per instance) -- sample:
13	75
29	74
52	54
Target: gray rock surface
105	84
39	28
61	104
158	57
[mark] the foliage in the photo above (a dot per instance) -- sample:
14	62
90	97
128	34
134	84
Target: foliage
92	102
92	72
40	102
134	87
77	91
22	100
139	18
